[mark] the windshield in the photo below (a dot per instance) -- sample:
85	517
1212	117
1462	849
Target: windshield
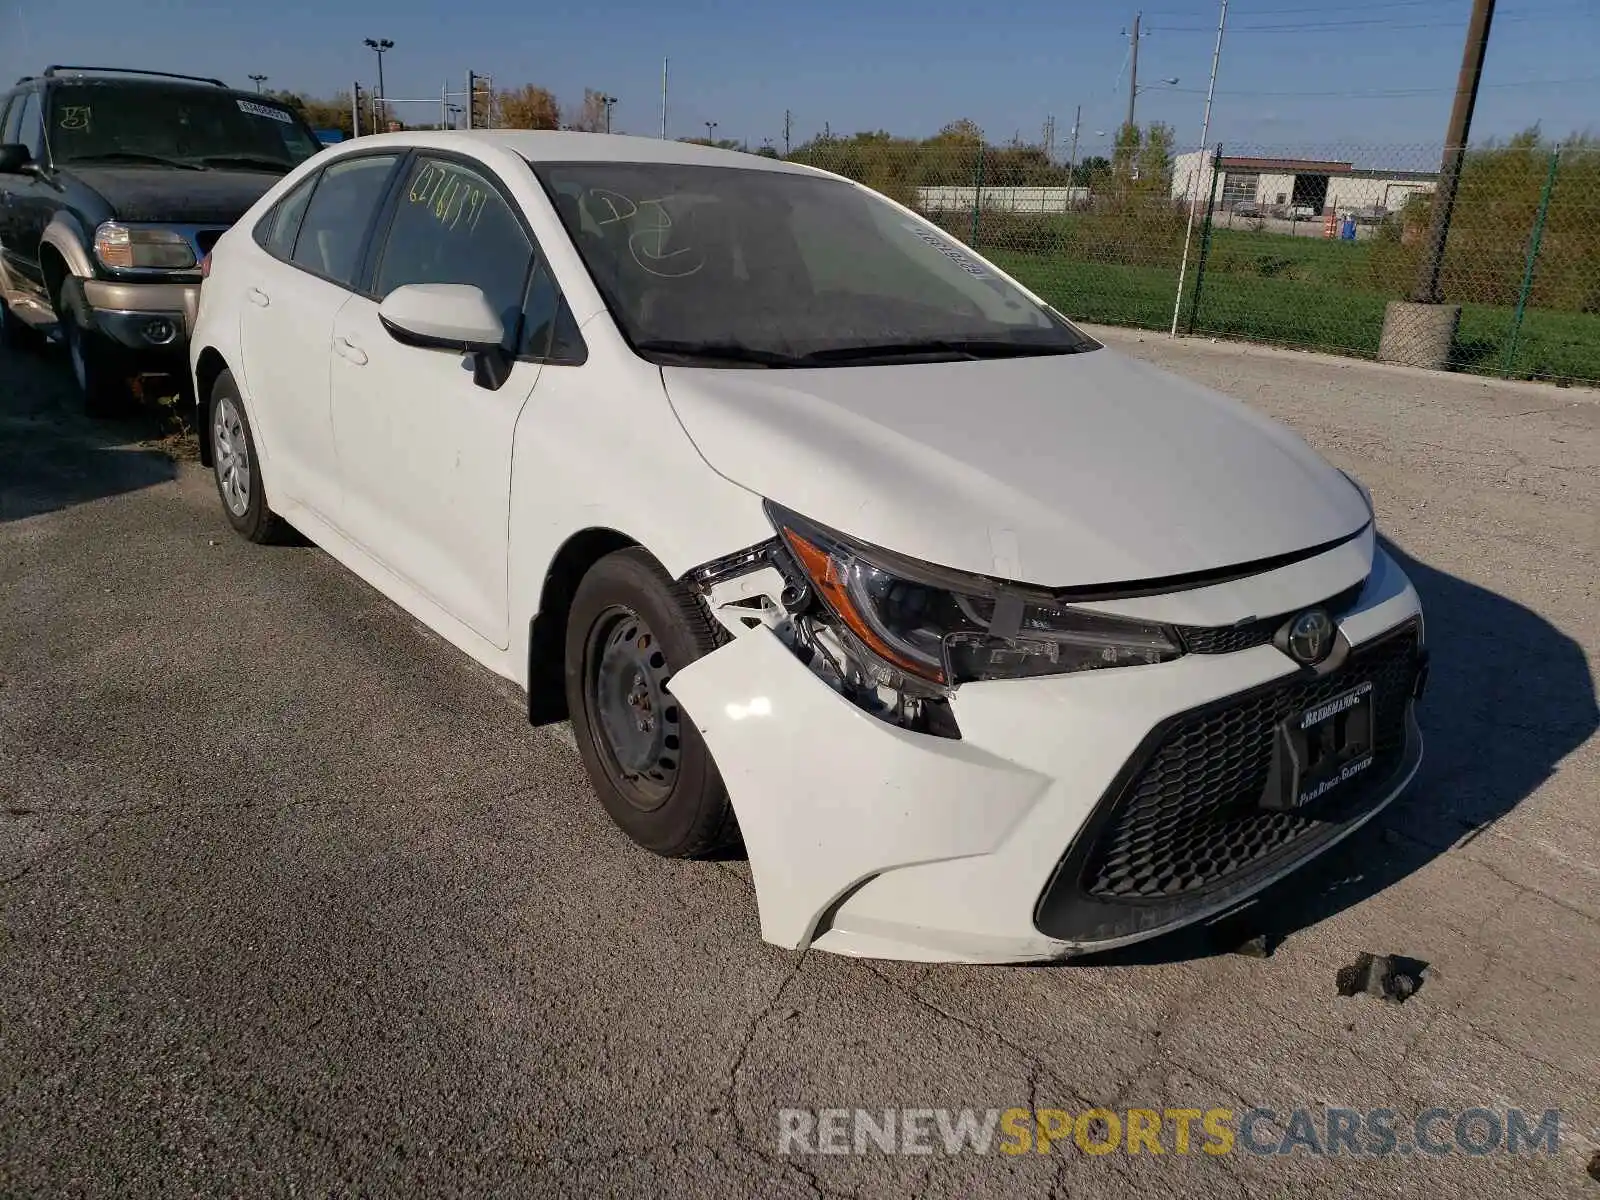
761	268
178	125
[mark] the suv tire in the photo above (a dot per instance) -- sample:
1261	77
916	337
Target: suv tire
98	368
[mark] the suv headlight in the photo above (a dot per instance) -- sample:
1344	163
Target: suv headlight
122	248
948	627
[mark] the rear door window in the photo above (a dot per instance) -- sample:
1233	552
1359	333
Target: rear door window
275	232
334	229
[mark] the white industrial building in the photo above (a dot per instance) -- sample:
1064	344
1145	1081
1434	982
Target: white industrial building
1297	187
1022	199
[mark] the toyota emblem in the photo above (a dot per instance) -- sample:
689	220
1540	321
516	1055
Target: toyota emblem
1311	636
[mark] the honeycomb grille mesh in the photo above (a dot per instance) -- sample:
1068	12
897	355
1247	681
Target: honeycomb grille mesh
1190	820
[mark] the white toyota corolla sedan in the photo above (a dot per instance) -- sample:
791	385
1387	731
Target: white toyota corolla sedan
834	542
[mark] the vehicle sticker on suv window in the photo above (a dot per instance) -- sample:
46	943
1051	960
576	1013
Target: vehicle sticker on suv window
75	116
949	250
261	110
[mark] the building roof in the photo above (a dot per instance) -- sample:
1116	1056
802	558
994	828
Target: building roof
1298	166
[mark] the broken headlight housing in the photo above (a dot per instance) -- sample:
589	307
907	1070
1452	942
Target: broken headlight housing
944	627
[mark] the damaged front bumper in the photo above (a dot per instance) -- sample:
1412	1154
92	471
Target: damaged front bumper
1012	841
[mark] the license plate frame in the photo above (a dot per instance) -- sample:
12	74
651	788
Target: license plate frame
1318	751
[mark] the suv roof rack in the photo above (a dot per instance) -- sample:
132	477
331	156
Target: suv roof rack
51	72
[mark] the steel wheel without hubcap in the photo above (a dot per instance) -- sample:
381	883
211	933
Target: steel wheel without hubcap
638	717
231	454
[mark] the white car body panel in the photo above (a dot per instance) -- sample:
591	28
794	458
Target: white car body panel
425	465
1072	469
951	870
1077	470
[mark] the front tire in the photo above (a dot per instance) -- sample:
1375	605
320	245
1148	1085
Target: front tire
236	467
99	370
628	629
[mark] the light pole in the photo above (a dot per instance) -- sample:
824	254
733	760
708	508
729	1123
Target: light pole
380	46
711	127
608	101
1139	90
258	80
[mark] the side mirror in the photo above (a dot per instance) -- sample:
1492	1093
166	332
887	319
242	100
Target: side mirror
442	316
450	316
15	159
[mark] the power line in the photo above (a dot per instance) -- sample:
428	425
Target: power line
1582	8
1391	92
1365	22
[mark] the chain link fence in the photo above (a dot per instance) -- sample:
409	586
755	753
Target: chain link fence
1303	247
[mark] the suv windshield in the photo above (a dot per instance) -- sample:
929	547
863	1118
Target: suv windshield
760	268
176	125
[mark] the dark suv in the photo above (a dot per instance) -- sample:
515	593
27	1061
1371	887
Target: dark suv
113	187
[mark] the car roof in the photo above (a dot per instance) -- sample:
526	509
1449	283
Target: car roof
550	145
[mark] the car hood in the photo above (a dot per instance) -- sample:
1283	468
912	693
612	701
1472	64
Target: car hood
182	197
1063	471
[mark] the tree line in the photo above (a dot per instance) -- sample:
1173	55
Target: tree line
959	154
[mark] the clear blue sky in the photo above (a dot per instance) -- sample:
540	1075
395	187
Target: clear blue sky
895	65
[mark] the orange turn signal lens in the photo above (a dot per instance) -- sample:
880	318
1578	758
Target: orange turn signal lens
828	578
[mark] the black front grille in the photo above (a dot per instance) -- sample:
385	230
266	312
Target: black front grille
1228	639
1184	826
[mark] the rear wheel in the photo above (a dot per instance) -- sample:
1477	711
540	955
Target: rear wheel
629	629
98	367
234	465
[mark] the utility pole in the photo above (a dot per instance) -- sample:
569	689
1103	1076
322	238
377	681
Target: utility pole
1133	67
258	80
355	109
1200	157
608	101
710	129
787	119
1455	152
1050	138
1072	162
472	97
664	99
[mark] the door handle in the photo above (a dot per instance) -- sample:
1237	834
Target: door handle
348	349
259	298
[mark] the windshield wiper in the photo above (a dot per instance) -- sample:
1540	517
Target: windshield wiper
134	156
947	349
246	160
718	352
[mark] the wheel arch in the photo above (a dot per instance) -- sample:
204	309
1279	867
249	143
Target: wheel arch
547	630
208	368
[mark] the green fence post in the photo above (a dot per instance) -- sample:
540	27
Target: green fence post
977	198
1205	240
1533	258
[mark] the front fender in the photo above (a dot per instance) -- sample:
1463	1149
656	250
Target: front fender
70	239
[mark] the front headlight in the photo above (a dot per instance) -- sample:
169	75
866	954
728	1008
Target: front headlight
122	248
948	627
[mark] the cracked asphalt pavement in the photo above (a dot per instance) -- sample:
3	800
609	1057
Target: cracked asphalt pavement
295	902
